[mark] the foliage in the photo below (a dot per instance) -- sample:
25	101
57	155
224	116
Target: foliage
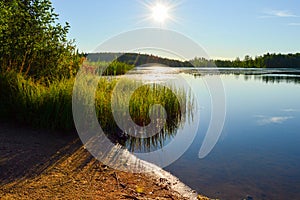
107	68
33	43
117	68
136	59
266	61
37	68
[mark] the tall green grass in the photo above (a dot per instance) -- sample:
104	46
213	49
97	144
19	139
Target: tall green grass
36	103
49	105
176	102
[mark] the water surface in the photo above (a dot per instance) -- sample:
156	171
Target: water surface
258	153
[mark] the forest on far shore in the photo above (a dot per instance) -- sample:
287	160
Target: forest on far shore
265	61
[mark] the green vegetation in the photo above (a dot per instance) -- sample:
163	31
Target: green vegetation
33	43
35	103
37	64
107	68
37	74
50	106
176	104
174	100
38	67
136	59
265	61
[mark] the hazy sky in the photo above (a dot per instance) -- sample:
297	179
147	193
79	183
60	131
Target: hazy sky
224	28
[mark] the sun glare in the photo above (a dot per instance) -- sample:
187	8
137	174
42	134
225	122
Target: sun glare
160	13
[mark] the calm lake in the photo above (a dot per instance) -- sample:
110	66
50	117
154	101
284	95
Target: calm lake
258	152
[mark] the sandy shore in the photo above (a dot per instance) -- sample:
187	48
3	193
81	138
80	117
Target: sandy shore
36	164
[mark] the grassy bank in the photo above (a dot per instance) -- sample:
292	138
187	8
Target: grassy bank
36	103
48	104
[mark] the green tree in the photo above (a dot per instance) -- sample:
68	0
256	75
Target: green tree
32	42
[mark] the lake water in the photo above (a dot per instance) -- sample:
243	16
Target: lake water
258	152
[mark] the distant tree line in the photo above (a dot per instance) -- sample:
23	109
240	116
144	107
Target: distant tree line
141	59
266	61
136	59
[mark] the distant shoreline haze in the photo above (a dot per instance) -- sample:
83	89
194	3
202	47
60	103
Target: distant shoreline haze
265	61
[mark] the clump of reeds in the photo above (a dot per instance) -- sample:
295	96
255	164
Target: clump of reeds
113	68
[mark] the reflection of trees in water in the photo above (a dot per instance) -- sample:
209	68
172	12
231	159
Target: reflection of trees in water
271	78
261	75
279	79
265	75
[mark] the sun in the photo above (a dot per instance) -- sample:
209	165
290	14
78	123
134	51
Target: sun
160	12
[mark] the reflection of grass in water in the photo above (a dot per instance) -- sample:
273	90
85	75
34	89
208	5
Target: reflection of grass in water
175	101
140	103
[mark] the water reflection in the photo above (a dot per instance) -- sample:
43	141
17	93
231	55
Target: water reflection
258	152
140	104
176	101
279	78
177	104
265	75
272	78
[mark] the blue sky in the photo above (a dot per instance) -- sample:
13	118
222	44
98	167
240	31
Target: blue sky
224	28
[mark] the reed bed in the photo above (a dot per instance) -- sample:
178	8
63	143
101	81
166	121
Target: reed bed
49	105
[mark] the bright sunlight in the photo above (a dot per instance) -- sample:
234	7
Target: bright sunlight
160	13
